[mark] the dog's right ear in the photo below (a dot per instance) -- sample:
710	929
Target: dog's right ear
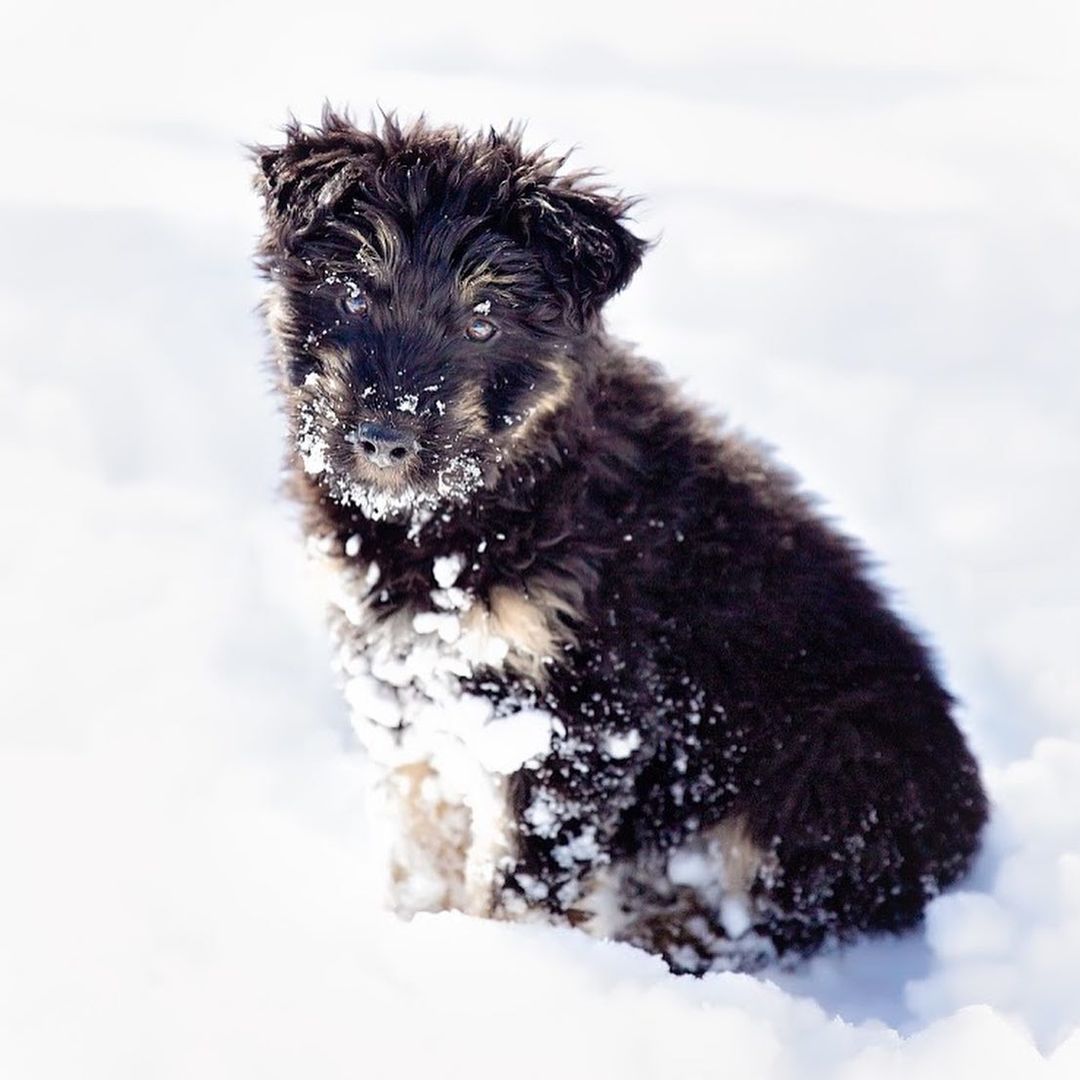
290	184
266	180
275	179
305	178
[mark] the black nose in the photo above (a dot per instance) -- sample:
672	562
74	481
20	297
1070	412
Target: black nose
383	446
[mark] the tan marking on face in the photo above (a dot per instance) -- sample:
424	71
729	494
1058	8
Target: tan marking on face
483	279
388	246
470	413
330	355
547	404
376	255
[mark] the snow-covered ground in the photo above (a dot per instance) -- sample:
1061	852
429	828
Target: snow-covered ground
869	256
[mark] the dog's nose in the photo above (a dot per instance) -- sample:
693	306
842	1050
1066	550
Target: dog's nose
383	446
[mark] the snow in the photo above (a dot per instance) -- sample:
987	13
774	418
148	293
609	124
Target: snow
446	569
504	746
623	744
869	257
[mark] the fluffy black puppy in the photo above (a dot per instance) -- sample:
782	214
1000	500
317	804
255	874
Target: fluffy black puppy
611	667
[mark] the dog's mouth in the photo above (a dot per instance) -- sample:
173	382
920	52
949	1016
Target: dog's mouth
401	496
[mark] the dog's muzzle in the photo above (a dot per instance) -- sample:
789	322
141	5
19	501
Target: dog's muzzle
385	447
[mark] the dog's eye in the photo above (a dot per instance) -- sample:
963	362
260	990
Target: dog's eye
480	330
355	304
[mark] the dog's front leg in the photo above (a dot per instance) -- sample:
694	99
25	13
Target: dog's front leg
563	824
425	835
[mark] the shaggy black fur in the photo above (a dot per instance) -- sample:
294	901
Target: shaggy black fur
701	601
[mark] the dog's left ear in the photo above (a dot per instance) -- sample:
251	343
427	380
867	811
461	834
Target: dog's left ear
587	251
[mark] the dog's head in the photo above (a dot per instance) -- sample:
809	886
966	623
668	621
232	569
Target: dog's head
430	293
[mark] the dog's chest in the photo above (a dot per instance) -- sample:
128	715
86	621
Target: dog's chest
424	683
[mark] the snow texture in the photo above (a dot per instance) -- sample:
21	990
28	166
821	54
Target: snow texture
869	257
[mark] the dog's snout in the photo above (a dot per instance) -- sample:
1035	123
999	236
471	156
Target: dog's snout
383	446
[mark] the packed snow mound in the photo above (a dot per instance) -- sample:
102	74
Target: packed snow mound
857	264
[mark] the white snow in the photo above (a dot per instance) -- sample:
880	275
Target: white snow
446	569
686	867
313	454
869	257
735	916
622	744
503	746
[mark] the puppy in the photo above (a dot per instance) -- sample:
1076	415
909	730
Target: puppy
610	667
